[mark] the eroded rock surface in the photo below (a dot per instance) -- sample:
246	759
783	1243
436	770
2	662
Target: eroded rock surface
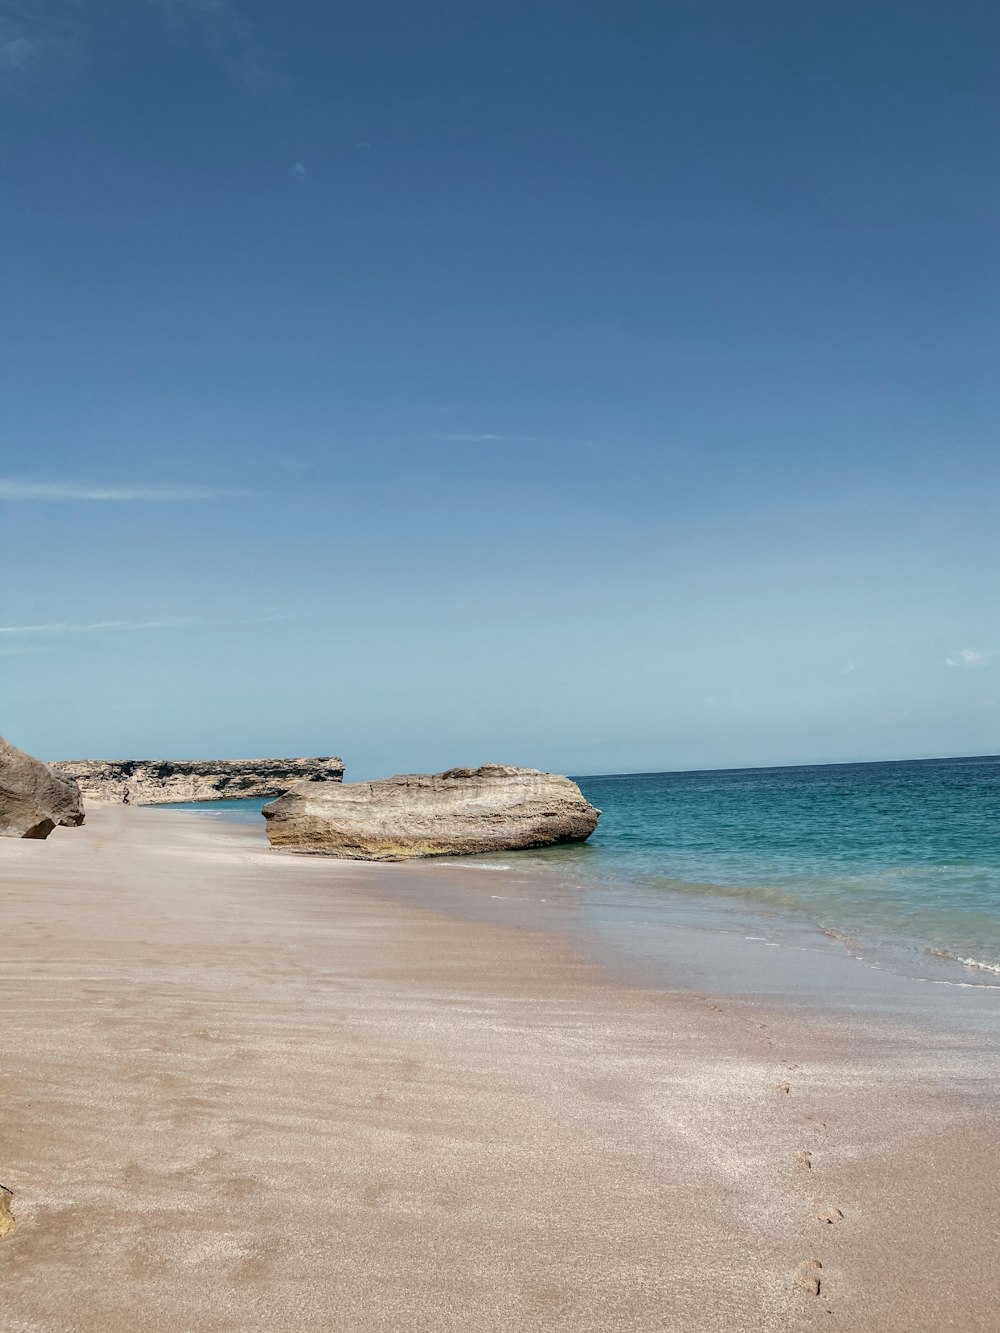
489	809
34	799
160	781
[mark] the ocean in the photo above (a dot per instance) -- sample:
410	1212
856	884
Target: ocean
901	860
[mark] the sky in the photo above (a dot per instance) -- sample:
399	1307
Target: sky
594	386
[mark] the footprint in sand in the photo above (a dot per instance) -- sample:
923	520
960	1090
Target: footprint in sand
802	1159
782	1087
817	1126
6	1217
807	1277
830	1215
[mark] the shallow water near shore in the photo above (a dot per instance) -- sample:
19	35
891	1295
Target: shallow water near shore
897	863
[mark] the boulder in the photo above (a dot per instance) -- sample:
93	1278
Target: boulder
495	808
33	799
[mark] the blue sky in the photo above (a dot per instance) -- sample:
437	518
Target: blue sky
596	386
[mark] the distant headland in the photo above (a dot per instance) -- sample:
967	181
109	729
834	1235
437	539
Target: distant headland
163	781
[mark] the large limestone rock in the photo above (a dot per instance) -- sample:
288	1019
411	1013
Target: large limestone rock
489	809
164	781
33	799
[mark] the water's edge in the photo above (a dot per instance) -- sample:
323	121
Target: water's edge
895	865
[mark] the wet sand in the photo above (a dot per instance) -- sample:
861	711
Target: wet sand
244	1090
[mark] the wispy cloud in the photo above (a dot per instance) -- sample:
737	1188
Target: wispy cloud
848	668
16	53
97	626
35	37
44	36
464	437
57	627
484	437
25	640
14	488
219	22
298	172
968	657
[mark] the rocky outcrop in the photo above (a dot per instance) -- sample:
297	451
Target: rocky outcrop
163	781
490	809
34	799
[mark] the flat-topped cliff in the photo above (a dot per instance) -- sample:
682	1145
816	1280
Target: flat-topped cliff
158	781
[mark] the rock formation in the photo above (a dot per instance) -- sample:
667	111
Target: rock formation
34	799
162	781
489	809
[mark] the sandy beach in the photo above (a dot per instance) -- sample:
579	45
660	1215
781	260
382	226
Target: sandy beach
246	1090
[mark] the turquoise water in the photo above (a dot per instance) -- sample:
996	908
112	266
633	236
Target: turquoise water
240	812
895	854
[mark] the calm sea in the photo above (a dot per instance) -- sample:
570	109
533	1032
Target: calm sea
895	856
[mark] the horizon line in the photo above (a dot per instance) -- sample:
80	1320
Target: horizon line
767	768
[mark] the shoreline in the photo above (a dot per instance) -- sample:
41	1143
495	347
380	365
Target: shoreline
664	904
242	1081
655	938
